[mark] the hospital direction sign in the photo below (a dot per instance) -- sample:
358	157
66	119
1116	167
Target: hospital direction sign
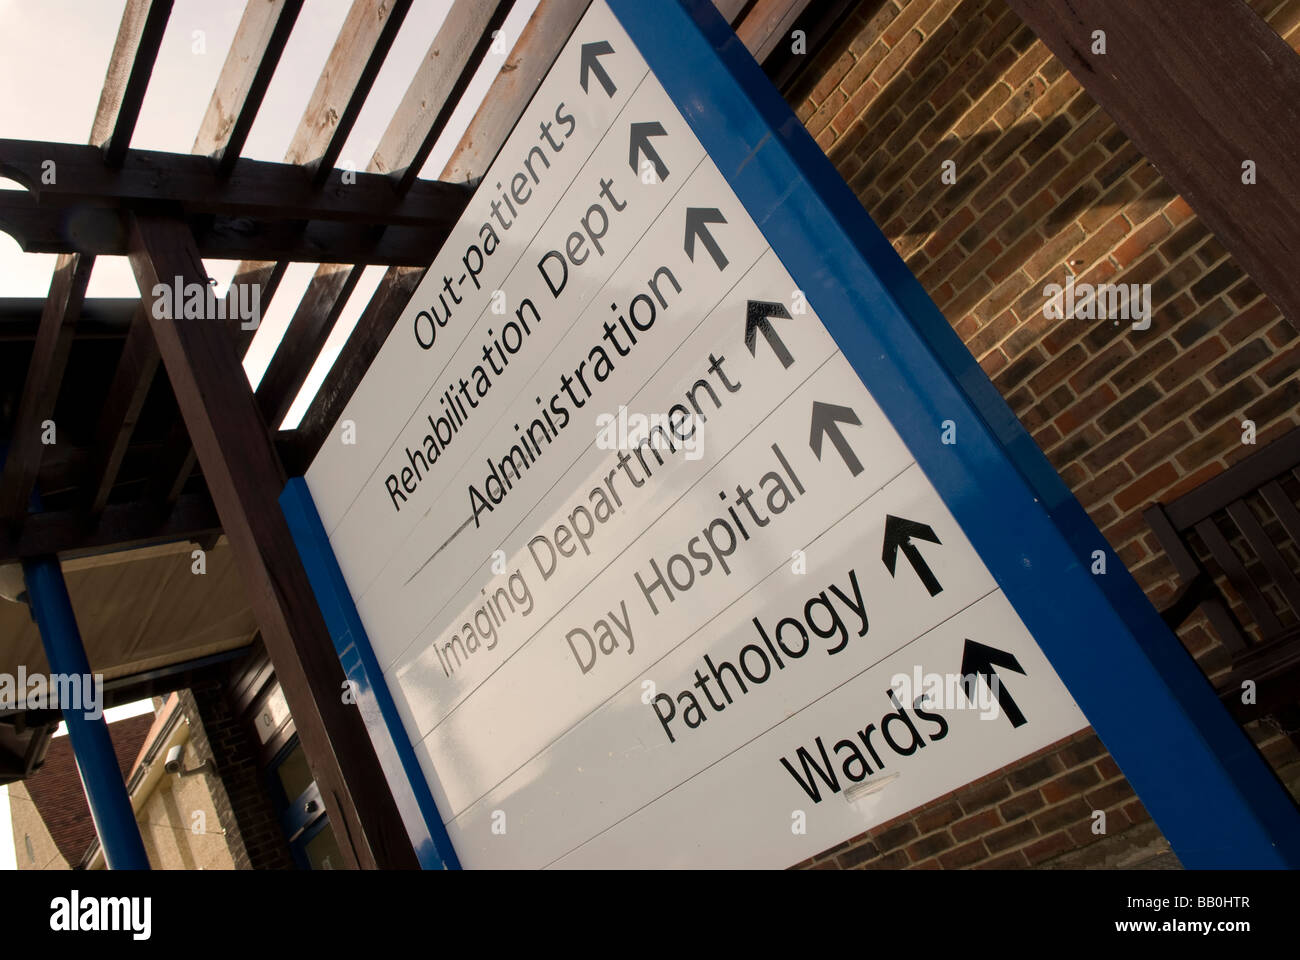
651	577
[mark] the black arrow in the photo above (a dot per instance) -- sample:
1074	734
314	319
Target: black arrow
977	661
899	534
826	420
641	134
696	218
758	314
590	51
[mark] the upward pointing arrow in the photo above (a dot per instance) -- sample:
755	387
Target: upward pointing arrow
898	535
758	314
641	134
697	219
590	64
826	420
977	661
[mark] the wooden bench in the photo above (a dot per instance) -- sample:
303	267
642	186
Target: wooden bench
1242	529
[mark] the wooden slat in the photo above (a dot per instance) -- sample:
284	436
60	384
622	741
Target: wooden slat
253	188
126	396
1231	564
1284	509
372	329
1278	569
1199	86
536	49
250	64
363	43
41	388
767	23
326	295
244	478
429	101
140	523
102	318
731	9
1189	568
436	89
140	34
102	232
531	57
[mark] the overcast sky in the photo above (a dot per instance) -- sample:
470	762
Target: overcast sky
53	55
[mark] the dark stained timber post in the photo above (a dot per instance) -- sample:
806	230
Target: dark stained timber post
245	478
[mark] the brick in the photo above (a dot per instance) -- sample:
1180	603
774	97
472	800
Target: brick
1087	408
1146	488
1057	370
1104	454
929	846
938	817
1277	403
1140	241
974	825
1035	772
1109	795
896	860
892	837
1225	403
963	856
1011	836
1129	408
1021	805
1081	751
1216	281
857	855
978	796
1070	784
1175	405
1061	815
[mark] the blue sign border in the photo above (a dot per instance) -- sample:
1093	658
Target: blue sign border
1210	792
433	848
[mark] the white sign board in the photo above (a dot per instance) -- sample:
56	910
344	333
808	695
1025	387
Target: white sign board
650	576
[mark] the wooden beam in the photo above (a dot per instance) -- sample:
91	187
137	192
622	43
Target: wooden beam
767	23
41	388
538	45
319	307
429	101
1200	87
100	231
372	329
244	478
435	91
250	64
139	36
117	418
141	523
363	43
731	9
253	188
102	318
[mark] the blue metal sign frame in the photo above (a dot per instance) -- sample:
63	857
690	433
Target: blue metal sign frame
1209	790
410	789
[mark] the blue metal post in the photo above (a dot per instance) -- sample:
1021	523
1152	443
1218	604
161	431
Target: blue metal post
110	806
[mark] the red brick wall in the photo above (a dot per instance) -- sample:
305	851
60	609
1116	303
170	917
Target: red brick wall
1046	184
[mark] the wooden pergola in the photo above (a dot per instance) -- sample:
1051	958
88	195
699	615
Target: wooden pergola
146	456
